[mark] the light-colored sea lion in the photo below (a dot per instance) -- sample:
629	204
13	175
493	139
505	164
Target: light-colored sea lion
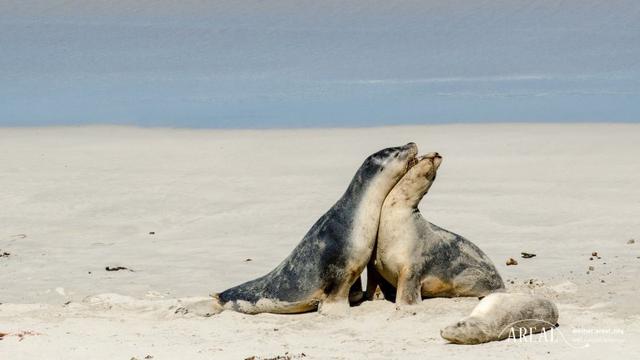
320	271
500	315
420	259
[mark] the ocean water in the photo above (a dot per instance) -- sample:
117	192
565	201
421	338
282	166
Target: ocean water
305	63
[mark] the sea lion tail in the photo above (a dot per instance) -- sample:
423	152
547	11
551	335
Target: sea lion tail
206	308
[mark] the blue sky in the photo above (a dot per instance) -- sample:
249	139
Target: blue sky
309	63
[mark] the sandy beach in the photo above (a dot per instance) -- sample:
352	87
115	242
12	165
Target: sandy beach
190	212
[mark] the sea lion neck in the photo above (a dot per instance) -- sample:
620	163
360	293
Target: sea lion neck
407	194
361	189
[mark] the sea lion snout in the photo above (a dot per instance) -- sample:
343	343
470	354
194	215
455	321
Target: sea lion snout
410	150
430	162
434	158
412	146
408	153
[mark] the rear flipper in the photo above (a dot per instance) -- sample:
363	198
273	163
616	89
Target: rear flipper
206	308
215	306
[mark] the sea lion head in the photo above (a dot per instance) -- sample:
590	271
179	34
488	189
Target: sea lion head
465	331
424	171
387	166
416	182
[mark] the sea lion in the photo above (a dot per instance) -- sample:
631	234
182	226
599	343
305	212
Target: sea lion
419	259
502	315
320	271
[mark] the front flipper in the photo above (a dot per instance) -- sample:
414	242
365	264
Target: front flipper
336	300
356	295
408	292
334	306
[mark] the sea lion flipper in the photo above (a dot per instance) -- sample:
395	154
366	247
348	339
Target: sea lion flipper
356	295
333	306
408	292
206	307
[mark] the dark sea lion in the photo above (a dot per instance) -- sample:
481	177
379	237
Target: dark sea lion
320	271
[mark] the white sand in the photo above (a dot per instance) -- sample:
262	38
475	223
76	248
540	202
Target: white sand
86	198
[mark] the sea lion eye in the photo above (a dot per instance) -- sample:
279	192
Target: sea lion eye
381	168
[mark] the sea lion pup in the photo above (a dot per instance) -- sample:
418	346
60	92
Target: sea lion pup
321	269
420	259
501	315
